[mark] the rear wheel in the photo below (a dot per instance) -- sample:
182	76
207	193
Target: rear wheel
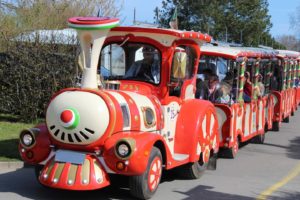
286	120
144	186
275	126
259	139
193	170
231	152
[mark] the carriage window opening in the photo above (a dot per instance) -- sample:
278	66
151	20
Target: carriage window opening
215	79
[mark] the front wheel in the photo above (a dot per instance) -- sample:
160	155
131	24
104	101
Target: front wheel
144	186
38	170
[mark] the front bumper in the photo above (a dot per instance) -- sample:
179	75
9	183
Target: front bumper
89	175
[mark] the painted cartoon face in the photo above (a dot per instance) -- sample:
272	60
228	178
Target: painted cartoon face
77	117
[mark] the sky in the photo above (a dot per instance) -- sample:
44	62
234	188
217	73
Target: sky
280	11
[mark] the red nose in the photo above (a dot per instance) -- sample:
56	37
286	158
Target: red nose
66	116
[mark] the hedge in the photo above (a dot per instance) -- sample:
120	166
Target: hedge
30	73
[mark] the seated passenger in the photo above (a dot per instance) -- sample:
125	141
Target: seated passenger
207	73
225	96
261	86
201	89
147	69
247	88
213	88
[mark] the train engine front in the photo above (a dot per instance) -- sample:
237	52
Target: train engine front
86	135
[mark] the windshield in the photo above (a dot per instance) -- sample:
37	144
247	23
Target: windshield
131	61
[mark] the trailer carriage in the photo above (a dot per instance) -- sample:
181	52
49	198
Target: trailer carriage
240	121
286	92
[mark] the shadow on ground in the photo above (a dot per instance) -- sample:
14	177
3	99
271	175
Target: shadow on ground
23	183
205	192
293	150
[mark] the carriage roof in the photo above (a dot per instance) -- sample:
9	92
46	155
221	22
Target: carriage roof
227	52
288	54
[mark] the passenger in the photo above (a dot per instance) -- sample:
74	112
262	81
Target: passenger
213	88
207	73
202	84
147	69
201	89
224	94
247	88
228	78
261	86
234	90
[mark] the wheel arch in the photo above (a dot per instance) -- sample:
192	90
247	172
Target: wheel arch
191	133
160	145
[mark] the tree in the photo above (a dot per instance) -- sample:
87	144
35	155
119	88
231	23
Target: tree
31	72
295	25
289	41
28	15
295	20
240	21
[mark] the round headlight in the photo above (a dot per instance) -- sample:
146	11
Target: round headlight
123	149
27	139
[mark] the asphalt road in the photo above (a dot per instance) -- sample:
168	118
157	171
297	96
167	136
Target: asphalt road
271	169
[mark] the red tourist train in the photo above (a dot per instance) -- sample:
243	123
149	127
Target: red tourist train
140	123
138	111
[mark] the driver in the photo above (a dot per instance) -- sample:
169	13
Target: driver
147	68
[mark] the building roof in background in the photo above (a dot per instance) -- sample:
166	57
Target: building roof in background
64	36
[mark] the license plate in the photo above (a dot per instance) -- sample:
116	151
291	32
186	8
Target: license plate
69	156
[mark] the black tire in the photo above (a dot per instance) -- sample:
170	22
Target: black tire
192	170
140	185
38	170
230	152
259	139
275	126
212	164
287	119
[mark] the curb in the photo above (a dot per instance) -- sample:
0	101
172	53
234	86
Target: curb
13	165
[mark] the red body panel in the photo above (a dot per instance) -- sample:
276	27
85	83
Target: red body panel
41	150
74	177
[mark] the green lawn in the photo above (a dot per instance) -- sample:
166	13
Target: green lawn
9	137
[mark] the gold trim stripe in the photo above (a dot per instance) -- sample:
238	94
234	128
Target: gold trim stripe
85	172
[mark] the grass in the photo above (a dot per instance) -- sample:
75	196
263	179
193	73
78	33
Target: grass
9	137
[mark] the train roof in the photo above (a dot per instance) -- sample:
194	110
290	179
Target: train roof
256	52
163	36
288	54
229	52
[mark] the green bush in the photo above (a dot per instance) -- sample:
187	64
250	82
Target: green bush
30	73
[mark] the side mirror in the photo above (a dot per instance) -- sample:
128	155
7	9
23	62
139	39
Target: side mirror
179	65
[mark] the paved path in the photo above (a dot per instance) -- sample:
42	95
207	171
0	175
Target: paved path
269	171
